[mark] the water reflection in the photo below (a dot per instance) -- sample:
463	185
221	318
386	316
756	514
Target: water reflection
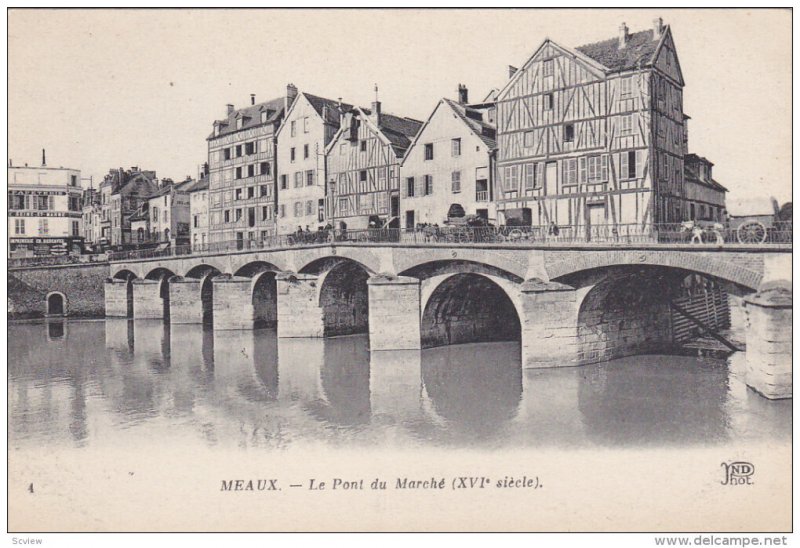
122	382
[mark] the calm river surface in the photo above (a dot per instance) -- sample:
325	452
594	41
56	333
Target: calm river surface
124	383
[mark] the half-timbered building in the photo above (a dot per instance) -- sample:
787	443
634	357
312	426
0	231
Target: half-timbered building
241	159
594	135
363	165
450	164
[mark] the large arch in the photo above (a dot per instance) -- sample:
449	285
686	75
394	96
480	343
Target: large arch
205	273
343	295
264	291
127	276
468	307
429	269
162	276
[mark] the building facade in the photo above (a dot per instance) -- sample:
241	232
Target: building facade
241	158
309	126
122	192
170	214
449	166
198	213
705	197
45	211
593	136
363	166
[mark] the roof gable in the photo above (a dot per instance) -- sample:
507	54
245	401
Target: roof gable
665	58
523	78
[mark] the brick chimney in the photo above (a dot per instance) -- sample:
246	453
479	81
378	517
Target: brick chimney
658	28
376	108
463	94
623	35
512	71
291	95
229	109
252	98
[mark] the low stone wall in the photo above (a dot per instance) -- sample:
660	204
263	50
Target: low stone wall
81	285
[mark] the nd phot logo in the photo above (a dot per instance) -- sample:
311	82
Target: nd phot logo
738	473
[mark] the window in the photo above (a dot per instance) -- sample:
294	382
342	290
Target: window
293	127
264	168
226	153
410	187
310	177
429	151
75	229
512	179
626	124
527	139
570	168
310	207
455	182
282	210
166	215
251	216
298	179
43	228
625	87
263	190
251	192
455	146
238	151
265	213
240	123
569	133
362	176
343	206
548	68
363	146
428	185
239	172
597	168
73	180
264	116
291	153
305	124
19	226
530	176
627	164
305	152
238	193
238	214
250	148
251	170
284	182
195	221
548	101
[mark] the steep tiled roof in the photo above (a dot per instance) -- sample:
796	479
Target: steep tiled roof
399	131
319	103
484	130
691	173
638	51
252	115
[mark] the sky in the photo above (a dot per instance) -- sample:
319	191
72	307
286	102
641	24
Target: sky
102	89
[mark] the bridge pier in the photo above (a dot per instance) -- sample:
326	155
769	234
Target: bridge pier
233	302
769	342
394	313
185	301
549	324
118	298
147	300
299	312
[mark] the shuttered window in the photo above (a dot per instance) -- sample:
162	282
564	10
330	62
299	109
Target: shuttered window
530	176
570	171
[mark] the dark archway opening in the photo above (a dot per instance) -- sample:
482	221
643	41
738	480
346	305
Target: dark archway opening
128	276
468	308
162	276
205	274
264	292
55	304
344	300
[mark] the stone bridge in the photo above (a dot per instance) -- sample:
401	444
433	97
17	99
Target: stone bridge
567	305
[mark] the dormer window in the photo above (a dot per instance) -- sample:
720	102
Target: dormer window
239	123
264	117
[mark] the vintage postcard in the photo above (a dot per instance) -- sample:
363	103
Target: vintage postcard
400	270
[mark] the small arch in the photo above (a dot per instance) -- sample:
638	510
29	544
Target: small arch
466	308
56	303
255	267
162	276
128	277
205	273
433	268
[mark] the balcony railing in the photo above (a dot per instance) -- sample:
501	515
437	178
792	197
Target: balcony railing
709	235
482	196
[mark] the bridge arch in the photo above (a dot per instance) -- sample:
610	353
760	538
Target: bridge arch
469	307
705	263
505	260
127	276
342	294
432	268
205	273
56	304
162	276
308	261
263	291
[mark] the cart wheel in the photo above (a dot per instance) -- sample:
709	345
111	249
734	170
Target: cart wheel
515	235
753	232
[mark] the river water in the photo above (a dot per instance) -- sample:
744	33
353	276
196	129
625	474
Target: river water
145	384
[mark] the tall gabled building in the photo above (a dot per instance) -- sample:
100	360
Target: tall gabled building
363	166
241	159
309	126
594	135
450	164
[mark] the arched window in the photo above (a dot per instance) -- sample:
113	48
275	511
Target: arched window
55	304
166	234
140	234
